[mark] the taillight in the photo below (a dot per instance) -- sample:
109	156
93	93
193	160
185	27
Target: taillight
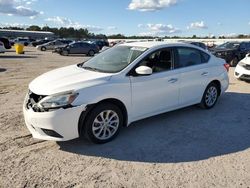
227	66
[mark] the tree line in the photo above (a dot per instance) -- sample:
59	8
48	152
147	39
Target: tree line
83	33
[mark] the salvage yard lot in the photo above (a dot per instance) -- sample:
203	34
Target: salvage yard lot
190	147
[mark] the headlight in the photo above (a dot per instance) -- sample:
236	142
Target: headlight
58	100
241	64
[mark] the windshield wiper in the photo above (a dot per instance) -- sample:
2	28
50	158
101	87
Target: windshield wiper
91	68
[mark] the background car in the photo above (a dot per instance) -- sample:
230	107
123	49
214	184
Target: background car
89	49
232	52
2	48
100	43
24	41
242	70
40	42
53	44
5	42
199	44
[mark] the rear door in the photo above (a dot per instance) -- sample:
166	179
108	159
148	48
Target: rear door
195	73
84	48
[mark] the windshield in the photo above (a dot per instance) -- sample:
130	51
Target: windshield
229	45
114	59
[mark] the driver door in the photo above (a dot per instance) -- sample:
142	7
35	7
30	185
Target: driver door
158	92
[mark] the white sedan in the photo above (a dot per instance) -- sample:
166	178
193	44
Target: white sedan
119	86
242	70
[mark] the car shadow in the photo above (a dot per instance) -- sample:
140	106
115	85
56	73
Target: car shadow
21	56
3	69
189	134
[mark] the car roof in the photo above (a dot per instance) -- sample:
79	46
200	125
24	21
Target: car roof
158	44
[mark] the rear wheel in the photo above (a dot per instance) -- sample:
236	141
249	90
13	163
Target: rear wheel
91	53
210	96
43	48
66	53
103	123
234	62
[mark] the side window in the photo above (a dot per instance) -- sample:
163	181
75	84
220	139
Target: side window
190	56
248	46
84	45
243	46
204	57
159	61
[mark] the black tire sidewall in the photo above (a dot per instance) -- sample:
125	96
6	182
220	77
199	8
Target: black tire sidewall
65	53
233	62
203	102
87	129
91	53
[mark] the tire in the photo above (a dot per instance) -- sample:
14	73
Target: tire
210	96
91	53
234	62
43	48
103	123
65	53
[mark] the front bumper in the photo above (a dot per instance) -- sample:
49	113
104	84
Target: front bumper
64	122
242	73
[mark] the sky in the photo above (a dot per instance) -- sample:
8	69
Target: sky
133	17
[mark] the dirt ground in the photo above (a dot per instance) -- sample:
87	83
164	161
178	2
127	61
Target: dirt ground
190	147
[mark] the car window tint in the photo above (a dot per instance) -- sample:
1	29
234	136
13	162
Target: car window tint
83	44
189	56
204	57
248	45
159	61
243	46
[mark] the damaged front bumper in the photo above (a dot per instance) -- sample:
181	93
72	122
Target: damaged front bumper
57	125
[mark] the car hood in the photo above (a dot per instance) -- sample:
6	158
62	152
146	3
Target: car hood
65	79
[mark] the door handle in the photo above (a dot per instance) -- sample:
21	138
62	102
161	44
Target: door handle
173	80
204	74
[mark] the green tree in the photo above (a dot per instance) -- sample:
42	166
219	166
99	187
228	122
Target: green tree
33	28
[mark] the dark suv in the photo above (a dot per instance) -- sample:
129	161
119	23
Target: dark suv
5	42
232	52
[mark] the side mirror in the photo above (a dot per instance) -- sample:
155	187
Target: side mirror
144	70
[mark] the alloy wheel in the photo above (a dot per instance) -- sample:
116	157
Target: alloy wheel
211	96
105	125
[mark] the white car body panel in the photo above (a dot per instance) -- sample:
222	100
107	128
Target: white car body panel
142	96
241	70
150	96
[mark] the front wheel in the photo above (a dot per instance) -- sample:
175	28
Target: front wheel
103	123
210	96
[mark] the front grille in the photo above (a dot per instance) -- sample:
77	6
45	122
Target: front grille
245	77
32	101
